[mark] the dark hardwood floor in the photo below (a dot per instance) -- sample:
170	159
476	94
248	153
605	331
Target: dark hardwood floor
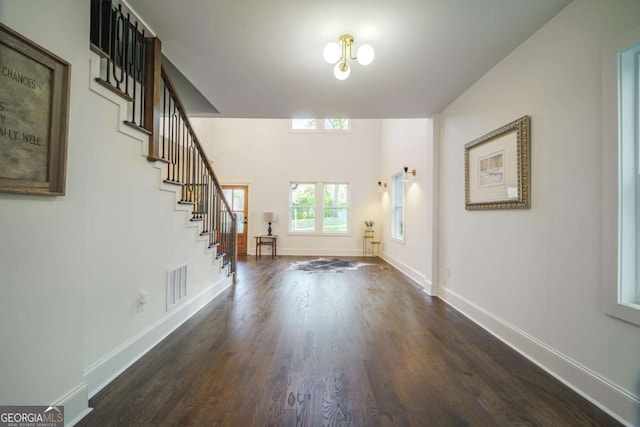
359	348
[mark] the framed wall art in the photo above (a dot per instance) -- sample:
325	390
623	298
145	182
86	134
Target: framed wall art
34	110
497	168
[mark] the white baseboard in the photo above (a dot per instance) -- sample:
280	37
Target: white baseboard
419	278
612	399
106	370
75	404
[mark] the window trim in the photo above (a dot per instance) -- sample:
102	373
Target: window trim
318	208
397	181
612	191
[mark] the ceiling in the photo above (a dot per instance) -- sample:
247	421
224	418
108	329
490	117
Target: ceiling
263	58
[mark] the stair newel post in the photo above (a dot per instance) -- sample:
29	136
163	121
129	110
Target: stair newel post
152	102
234	247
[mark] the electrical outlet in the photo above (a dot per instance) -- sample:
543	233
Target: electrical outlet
142	299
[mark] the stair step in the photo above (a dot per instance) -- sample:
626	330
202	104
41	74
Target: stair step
137	127
197	219
206	233
186	202
114	89
158	159
99	51
169	181
220	255
214	245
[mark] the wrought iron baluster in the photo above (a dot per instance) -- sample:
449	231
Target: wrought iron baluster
165	120
143	88
126	51
108	43
179	124
95	22
118	54
134	66
172	141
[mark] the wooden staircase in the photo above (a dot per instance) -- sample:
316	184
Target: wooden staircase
131	67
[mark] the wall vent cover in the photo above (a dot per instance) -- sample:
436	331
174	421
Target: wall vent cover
176	287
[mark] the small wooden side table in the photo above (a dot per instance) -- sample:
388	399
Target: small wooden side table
266	240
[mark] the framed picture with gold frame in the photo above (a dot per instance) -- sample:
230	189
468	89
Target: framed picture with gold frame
497	168
34	111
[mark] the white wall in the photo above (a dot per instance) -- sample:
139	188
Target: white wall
71	267
533	276
409	142
265	155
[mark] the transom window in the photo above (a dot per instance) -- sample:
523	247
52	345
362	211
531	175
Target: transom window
321	125
319	207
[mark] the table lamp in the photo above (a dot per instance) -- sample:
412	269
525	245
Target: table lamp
269	217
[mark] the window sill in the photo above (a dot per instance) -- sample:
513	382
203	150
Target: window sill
627	312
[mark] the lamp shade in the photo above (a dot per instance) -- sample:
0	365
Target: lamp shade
365	54
332	52
269	217
342	70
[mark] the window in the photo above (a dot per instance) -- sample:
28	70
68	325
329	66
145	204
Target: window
317	207
629	178
303	124
621	177
336	124
336	208
318	125
397	207
303	202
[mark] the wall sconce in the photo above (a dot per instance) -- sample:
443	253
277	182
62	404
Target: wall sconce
269	217
338	54
381	186
408	174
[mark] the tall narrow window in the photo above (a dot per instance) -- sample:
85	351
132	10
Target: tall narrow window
336	208
629	177
302	206
397	207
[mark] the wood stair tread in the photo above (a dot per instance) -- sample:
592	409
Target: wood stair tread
114	89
